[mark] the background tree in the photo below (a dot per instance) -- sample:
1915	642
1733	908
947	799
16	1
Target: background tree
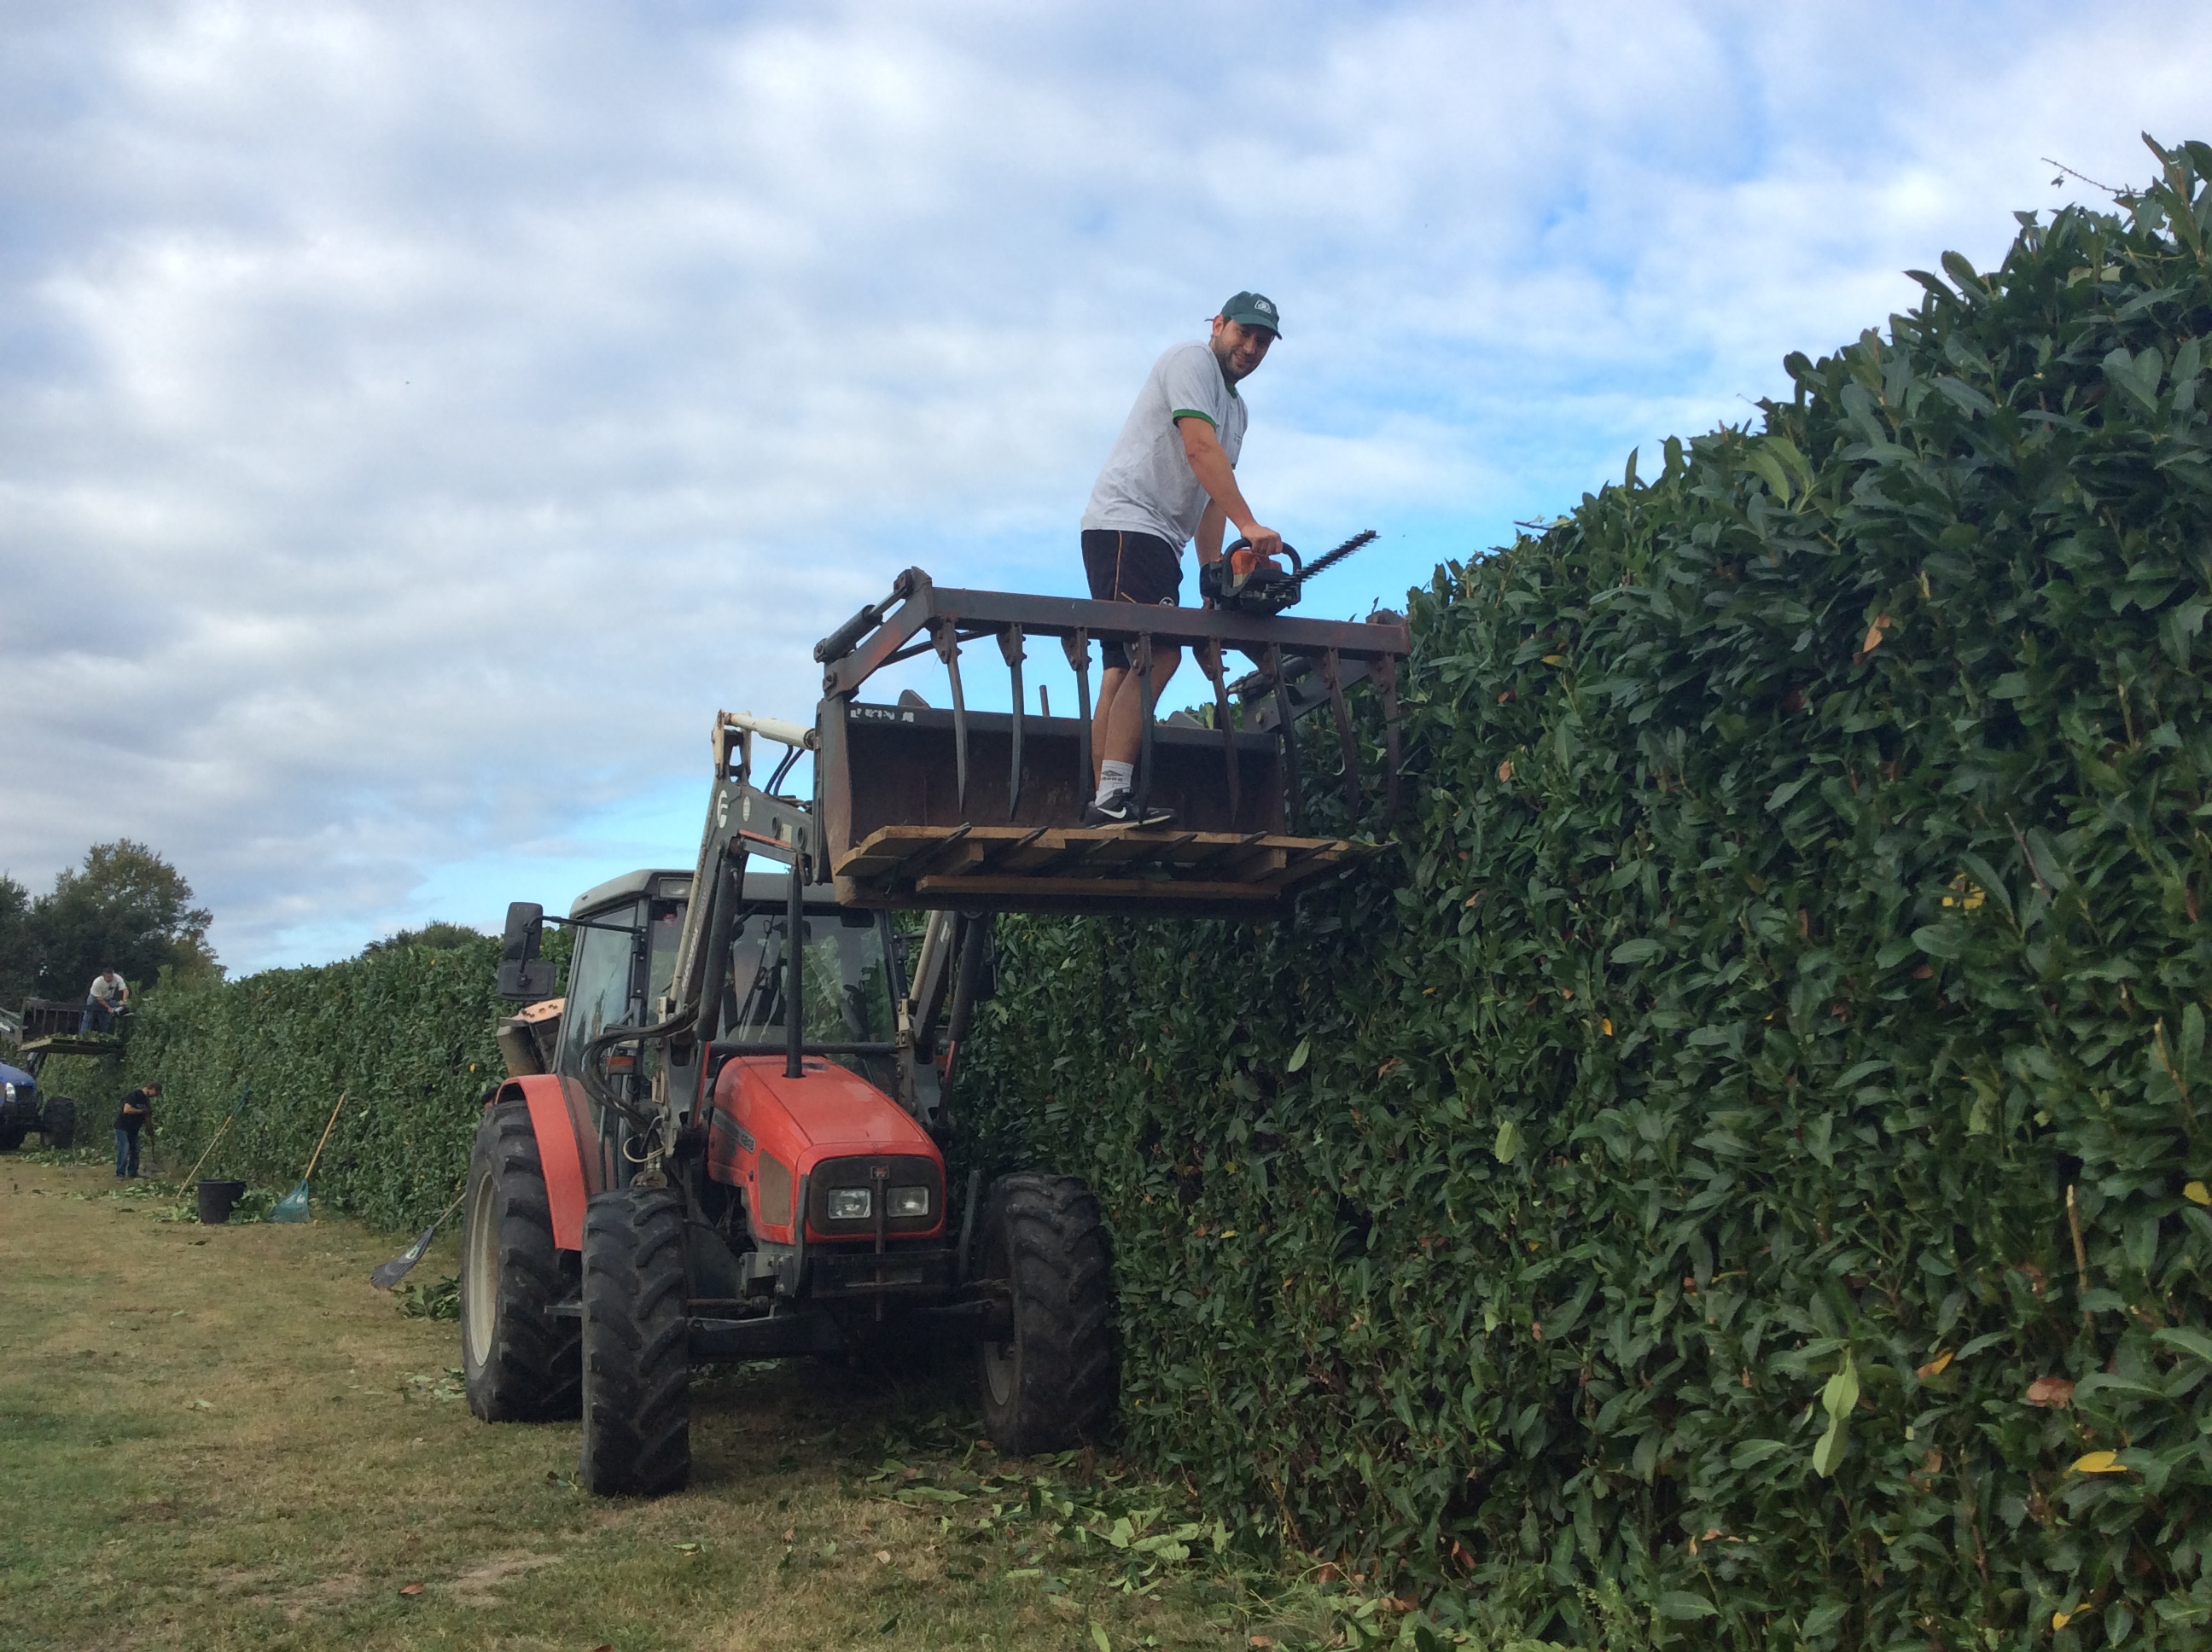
18	962
438	935
127	906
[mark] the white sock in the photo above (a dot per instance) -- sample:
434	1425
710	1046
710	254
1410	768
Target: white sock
1115	777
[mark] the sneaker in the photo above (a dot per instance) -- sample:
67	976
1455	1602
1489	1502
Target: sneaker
1120	809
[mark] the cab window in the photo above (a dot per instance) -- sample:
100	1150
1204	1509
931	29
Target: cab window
600	983
845	980
665	929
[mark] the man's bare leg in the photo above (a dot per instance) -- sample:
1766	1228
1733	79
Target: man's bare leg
1117	727
1102	717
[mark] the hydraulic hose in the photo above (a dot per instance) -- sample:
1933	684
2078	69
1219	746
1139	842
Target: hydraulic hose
590	1066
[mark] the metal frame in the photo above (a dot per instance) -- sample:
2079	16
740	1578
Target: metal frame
944	616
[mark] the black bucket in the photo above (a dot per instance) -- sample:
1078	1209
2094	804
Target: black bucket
217	1197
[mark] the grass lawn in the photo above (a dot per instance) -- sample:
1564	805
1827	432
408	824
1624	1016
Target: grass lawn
222	1436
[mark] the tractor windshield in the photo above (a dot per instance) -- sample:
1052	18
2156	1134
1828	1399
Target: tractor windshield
846	981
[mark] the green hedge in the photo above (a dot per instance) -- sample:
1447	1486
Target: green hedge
406	1035
1663	1185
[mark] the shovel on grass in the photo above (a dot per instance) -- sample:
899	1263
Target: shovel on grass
293	1207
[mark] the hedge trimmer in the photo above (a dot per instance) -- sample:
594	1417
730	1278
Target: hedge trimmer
1245	581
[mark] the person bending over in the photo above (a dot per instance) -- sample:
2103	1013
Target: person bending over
136	1116
1171	477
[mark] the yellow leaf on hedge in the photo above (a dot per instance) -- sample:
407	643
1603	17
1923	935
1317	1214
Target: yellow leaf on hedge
1934	1367
1605	1023
2099	1462
1555	660
2198	1194
2060	1619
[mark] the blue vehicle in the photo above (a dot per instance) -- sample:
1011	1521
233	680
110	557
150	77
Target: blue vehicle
23	1109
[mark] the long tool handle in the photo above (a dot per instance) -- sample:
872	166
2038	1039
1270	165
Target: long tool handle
327	1128
228	1119
192	1175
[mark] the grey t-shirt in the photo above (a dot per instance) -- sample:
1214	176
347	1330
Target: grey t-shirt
1148	486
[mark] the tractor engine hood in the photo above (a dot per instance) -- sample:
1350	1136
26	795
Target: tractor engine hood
832	1132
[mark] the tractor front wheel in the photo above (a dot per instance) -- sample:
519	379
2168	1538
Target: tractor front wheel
58	1126
1051	1386
519	1363
637	1355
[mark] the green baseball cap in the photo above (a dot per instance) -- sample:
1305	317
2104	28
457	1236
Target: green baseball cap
1254	310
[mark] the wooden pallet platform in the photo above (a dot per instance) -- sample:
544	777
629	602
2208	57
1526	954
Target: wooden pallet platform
72	1044
1069	869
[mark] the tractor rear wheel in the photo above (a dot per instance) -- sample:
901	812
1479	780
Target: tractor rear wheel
521	1363
59	1125
1051	1386
637	1353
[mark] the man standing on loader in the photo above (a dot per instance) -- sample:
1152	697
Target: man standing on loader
1171	476
107	997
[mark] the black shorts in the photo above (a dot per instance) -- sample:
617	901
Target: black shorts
1127	567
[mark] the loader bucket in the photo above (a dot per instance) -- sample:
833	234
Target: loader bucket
926	807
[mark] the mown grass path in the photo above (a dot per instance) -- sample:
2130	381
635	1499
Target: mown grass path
222	1437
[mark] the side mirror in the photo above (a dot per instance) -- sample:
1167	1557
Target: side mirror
526	932
523	976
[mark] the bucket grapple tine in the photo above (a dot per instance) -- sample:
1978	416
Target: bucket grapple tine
1387	674
1145	745
1078	650
1346	741
948	650
1010	645
1210	661
1287	731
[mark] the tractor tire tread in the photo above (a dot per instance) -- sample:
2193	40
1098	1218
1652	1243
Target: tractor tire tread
58	1124
637	1359
535	1371
1059	1263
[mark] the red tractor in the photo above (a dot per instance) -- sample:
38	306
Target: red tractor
727	1140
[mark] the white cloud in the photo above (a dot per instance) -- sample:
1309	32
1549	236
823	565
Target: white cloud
415	420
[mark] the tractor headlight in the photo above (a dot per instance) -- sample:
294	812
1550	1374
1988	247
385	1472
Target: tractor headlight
854	1204
910	1201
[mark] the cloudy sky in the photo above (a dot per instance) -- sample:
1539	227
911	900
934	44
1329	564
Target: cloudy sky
416	420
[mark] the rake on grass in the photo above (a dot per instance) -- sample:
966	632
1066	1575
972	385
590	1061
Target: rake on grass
392	1271
293	1207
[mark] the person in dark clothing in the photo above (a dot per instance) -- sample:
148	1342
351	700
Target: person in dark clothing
137	1116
